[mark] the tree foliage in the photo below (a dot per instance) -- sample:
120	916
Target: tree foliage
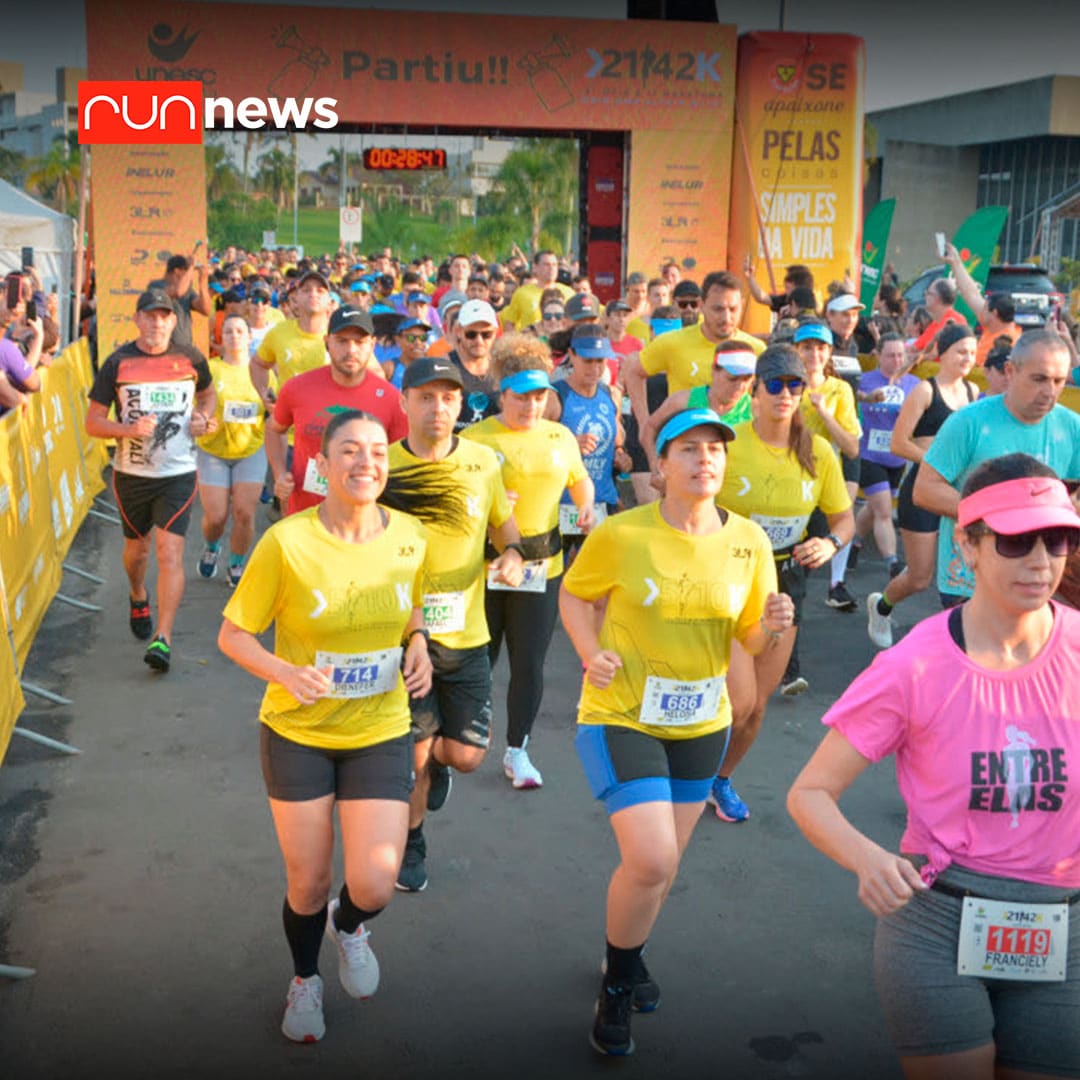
236	218
55	177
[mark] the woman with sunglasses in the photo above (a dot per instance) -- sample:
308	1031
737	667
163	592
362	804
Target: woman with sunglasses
341	582
679	581
260	315
552	315
927	406
777	475
980	705
540	460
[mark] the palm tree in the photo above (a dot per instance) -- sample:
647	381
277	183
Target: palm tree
537	184
275	176
56	175
221	176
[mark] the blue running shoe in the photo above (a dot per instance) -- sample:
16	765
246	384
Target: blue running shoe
729	807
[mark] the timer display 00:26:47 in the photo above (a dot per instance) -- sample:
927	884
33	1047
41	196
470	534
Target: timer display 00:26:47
401	158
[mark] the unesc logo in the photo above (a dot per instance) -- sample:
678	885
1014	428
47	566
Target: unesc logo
133	111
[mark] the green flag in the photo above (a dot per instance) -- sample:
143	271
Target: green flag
975	240
875	241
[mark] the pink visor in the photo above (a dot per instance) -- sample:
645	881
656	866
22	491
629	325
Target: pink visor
1020	506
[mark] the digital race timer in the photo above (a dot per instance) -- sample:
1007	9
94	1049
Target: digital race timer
397	157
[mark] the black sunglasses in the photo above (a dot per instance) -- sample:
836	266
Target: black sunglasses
259	299
549	315
1058	540
472	335
776	386
688	303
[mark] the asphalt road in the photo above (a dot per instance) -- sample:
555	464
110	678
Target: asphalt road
142	880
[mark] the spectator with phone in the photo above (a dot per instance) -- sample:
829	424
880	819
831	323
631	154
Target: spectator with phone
186	284
18	369
996	314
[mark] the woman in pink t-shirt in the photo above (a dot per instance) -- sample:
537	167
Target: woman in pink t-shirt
981	707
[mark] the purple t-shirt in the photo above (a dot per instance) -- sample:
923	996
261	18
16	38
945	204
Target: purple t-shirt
14	365
879	417
987	762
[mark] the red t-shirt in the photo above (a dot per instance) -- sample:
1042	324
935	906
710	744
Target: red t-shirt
307	402
626	345
935	328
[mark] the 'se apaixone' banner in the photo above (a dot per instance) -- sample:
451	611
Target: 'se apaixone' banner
798	160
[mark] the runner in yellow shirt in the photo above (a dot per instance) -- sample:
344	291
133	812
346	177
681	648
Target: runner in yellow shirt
680	581
341	582
524	307
777	474
540	459
452	723
231	460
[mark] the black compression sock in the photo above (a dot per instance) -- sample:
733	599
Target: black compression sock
883	606
622	964
348	916
304	934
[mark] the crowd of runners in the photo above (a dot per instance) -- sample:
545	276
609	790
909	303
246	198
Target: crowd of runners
456	456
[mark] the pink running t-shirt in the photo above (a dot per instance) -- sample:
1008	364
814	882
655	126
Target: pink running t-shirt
987	762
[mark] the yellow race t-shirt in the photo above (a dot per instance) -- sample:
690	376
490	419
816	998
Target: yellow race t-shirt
687	356
453	585
839	404
675	602
539	465
240	413
768	485
524	307
290	351
337	605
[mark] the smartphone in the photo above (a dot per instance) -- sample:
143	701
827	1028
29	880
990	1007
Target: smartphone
1071	485
27	256
14	289
939	239
31	310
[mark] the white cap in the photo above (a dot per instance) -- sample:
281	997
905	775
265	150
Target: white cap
844	302
477	311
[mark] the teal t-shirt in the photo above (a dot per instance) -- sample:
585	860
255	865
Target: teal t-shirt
740	411
983	430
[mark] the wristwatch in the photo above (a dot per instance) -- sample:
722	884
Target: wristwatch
837	542
419	630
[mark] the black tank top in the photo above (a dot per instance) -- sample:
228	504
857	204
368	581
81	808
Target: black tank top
937	412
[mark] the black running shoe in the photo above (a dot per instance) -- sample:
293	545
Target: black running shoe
140	619
853	555
646	991
611	1029
840	599
441	782
158	654
412	877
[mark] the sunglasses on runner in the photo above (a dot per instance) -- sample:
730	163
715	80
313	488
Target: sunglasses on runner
259	299
472	335
415	339
551	315
1058	541
688	303
776	386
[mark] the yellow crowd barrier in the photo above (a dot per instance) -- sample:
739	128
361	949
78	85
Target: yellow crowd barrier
49	473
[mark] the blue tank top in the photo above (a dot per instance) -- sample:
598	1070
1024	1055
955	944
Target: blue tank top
593	416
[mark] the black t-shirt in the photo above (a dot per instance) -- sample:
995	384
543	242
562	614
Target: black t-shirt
479	397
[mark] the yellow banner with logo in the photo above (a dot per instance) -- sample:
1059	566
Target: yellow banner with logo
11	695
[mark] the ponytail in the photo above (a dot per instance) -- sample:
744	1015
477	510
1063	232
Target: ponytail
801	444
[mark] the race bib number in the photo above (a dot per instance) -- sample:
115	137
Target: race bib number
360	675
880	442
313	482
163	397
1003	940
242	412
782	532
444	613
534	580
568	518
675	703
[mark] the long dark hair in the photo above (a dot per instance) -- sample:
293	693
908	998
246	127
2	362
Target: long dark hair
428	494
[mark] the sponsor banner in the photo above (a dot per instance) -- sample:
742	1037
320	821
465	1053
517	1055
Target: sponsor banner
398	67
797	170
144	212
875	242
11	695
976	240
679	183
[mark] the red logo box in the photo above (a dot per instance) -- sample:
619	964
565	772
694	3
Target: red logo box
130	112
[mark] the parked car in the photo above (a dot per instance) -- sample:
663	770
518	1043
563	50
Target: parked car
1030	287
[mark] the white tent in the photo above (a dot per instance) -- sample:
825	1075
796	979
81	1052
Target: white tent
24	222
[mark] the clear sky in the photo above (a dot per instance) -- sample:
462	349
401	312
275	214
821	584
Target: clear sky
916	49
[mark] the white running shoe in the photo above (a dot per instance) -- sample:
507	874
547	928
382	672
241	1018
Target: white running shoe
303	1011
879	626
357	967
519	769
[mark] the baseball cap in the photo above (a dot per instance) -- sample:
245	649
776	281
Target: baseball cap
779	361
411	324
360	286
259	288
1019	506
589	341
307	275
736	361
844	302
617	305
418	298
813	331
686	288
451	298
683	421
582	306
477	311
430	369
154	300
350	318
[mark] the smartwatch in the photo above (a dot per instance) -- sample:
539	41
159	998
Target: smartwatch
837	542
419	630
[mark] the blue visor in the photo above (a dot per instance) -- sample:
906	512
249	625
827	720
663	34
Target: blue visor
663	326
525	382
592	347
360	286
814	332
683	421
